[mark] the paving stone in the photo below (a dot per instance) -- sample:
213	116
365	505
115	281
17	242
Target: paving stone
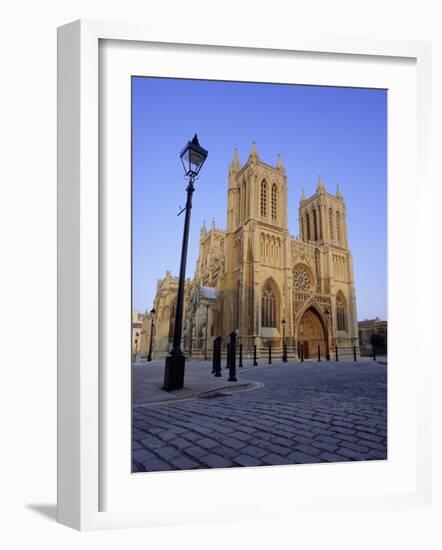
157	465
141	455
324	446
168	452
306	449
369	437
234	443
331	457
215	461
253	451
373	445
152	442
184	463
196	451
226	452
207	443
274	459
354	455
246	460
298	457
355	447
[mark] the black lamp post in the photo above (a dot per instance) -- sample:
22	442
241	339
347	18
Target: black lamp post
284	350
152	313
327	348
192	158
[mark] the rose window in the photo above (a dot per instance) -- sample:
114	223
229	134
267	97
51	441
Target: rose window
301	279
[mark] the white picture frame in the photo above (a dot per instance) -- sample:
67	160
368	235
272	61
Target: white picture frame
79	274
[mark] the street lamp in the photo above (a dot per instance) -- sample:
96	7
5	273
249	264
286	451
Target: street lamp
192	157
327	348
152	313
284	350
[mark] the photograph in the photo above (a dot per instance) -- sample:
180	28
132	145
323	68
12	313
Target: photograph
259	274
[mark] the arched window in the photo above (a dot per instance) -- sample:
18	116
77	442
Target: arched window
244	202
274	201
338	226
264	198
330	223
341	313
315	225
269	306
307	221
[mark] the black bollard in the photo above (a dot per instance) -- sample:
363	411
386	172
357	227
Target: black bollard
255	362
240	356
354	354
374	353
232	358
336	354
228	356
270	354
217	356
302	352
284	353
319	353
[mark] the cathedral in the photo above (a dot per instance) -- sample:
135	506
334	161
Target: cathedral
258	280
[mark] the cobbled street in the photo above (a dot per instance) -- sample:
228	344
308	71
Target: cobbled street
302	413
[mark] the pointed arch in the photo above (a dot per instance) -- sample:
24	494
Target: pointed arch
270	304
338	226
330	224
307	222
243	202
315	225
341	312
274	201
264	198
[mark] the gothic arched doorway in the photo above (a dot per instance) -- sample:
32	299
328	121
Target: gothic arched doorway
311	334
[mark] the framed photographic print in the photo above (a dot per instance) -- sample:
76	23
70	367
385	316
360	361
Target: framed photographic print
231	276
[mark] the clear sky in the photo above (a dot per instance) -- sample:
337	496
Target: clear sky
338	133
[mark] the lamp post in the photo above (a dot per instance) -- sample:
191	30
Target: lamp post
193	157
284	350
327	349
152	312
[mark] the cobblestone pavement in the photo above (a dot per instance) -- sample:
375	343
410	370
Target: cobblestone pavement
304	413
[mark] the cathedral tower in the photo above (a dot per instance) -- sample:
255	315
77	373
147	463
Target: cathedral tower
256	247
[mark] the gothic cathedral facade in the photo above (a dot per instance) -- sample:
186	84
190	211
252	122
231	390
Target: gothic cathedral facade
258	280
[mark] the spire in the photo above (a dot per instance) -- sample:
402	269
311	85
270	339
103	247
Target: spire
203	230
254	153
213	224
235	162
279	164
338	192
303	197
320	187
235	165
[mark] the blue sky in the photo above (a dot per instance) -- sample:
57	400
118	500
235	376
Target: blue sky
338	133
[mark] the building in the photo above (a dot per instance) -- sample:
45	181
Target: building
367	328
137	325
256	279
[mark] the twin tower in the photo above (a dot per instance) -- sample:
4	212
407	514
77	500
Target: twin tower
275	285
